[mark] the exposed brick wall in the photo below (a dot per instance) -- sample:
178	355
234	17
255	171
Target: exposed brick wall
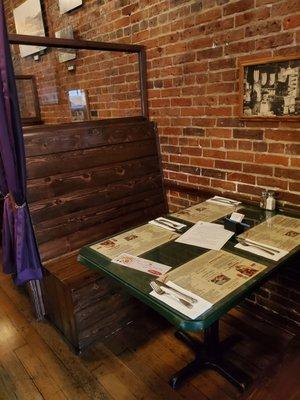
193	48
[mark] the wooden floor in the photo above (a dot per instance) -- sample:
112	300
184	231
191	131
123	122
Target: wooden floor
134	363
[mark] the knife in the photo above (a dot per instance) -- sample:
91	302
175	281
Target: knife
251	243
177	292
232	202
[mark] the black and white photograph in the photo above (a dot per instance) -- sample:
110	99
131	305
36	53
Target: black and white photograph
271	89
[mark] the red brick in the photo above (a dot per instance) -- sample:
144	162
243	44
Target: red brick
263	28
248	189
209	53
238	6
257	169
292	149
282	135
240	156
224	63
193	131
256	134
219	25
294	186
204	121
238	177
240	47
282	39
245	145
198	180
225	87
260	147
218	111
287	173
202	162
271	159
252	16
213	173
228	165
219	132
271	182
285	7
214	153
277	148
207	16
223	184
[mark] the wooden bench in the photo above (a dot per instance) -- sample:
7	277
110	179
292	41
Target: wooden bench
86	181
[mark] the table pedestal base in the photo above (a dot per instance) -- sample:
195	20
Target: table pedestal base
209	354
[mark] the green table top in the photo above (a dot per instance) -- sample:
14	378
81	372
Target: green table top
175	254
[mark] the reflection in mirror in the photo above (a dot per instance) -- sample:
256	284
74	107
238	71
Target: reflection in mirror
28	99
108	82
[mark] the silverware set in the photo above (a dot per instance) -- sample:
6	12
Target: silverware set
226	201
265	249
166	222
182	298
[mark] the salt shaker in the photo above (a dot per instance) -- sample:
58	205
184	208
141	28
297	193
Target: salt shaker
271	202
263	200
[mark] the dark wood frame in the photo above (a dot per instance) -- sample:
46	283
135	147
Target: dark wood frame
37	119
258	61
92	45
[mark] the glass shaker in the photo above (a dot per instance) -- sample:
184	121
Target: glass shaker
271	202
263	200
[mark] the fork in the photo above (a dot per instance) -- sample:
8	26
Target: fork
243	242
161	291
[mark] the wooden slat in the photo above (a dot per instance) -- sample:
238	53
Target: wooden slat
53	228
87	181
64	183
74	241
84	199
45	166
70	138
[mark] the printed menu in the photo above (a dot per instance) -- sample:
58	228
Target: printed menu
205	211
135	242
279	231
213	275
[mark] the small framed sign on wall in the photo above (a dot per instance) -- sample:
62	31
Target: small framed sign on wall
270	88
68	5
79	106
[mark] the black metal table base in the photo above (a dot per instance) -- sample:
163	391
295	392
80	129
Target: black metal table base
210	354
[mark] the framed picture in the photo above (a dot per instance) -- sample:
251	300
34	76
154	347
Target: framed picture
68	54
78	105
270	88
68	5
29	21
28	99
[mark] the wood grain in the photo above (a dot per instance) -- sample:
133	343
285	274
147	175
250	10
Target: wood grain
87	181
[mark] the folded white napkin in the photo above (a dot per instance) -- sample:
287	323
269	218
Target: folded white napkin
177	225
198	308
260	252
224	200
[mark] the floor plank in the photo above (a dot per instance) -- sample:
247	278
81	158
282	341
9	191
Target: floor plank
136	362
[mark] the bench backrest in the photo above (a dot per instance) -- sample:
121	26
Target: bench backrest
91	179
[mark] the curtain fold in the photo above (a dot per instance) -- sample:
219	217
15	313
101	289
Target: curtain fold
20	252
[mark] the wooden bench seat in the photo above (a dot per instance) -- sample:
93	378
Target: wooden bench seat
84	305
86	181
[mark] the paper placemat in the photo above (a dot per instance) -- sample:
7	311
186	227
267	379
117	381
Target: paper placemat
136	241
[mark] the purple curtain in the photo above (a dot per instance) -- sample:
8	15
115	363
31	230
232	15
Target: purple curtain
20	253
